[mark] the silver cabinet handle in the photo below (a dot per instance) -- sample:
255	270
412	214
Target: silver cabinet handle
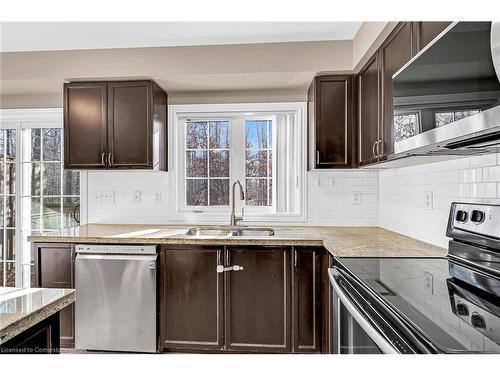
235	268
103	162
373	149
378	147
317	156
295	258
110	157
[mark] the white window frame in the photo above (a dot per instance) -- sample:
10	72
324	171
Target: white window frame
21	119
289	182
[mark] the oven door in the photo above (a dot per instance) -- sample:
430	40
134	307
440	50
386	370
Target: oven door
352	332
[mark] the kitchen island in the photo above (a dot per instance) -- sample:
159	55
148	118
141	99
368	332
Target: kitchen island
29	319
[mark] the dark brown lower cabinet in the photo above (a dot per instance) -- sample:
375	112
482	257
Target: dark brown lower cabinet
42	338
191	298
307	299
54	268
257	300
274	304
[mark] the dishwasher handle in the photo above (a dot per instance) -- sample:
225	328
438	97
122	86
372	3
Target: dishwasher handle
384	345
125	257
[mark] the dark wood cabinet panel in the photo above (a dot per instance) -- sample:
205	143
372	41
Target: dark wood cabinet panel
85	124
191	299
257	300
307	300
428	30
54	268
331	128
394	53
130	114
368	111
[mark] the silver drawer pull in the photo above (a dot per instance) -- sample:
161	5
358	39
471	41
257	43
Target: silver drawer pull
221	268
152	265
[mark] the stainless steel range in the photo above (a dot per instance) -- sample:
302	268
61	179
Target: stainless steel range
424	305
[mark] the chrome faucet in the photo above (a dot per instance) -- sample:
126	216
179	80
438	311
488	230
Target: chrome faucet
235	218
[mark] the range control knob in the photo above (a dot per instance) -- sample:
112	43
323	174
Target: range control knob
461	216
462	309
477	321
477	216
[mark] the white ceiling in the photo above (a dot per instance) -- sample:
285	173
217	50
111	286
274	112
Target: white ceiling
51	36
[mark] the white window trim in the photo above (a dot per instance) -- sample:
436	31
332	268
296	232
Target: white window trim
32	118
297	111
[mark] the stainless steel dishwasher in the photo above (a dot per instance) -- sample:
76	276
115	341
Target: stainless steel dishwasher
115	306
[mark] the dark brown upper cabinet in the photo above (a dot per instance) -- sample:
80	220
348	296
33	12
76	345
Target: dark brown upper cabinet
426	31
331	123
395	52
115	125
54	268
369	112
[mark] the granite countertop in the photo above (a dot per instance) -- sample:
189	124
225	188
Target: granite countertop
22	308
339	241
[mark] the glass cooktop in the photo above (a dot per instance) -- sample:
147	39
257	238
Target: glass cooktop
430	294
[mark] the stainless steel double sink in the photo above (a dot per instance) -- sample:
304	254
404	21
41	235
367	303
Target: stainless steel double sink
228	231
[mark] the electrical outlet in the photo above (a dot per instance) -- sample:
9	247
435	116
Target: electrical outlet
157	197
356	197
429	283
136	196
429	200
105	196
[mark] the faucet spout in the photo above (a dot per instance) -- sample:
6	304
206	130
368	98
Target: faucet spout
233	220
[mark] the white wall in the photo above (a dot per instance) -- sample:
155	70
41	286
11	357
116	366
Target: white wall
402	194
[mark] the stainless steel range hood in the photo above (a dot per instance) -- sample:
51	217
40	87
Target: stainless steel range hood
456	76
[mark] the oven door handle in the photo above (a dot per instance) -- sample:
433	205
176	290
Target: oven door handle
384	345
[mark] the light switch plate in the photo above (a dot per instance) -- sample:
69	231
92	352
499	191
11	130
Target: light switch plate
429	200
105	196
136	196
356	197
429	283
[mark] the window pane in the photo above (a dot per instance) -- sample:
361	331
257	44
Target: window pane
219	192
11	275
10	246
10	206
2	221
196	192
11	144
256	163
71	209
32	205
36	187
256	192
10	176
270	192
52	144
2	146
36	139
256	134
196	163
196	135
443	118
219	134
2	168
463	114
71	182
219	163
270	159
51	213
405	126
51	177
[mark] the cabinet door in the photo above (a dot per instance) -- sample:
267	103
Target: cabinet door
395	52
368	116
257	300
130	124
428	30
334	122
54	268
191	298
85	123
307	300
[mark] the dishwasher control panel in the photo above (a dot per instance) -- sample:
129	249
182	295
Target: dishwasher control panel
115	249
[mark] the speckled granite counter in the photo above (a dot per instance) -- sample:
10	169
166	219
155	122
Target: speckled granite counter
21	309
339	241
